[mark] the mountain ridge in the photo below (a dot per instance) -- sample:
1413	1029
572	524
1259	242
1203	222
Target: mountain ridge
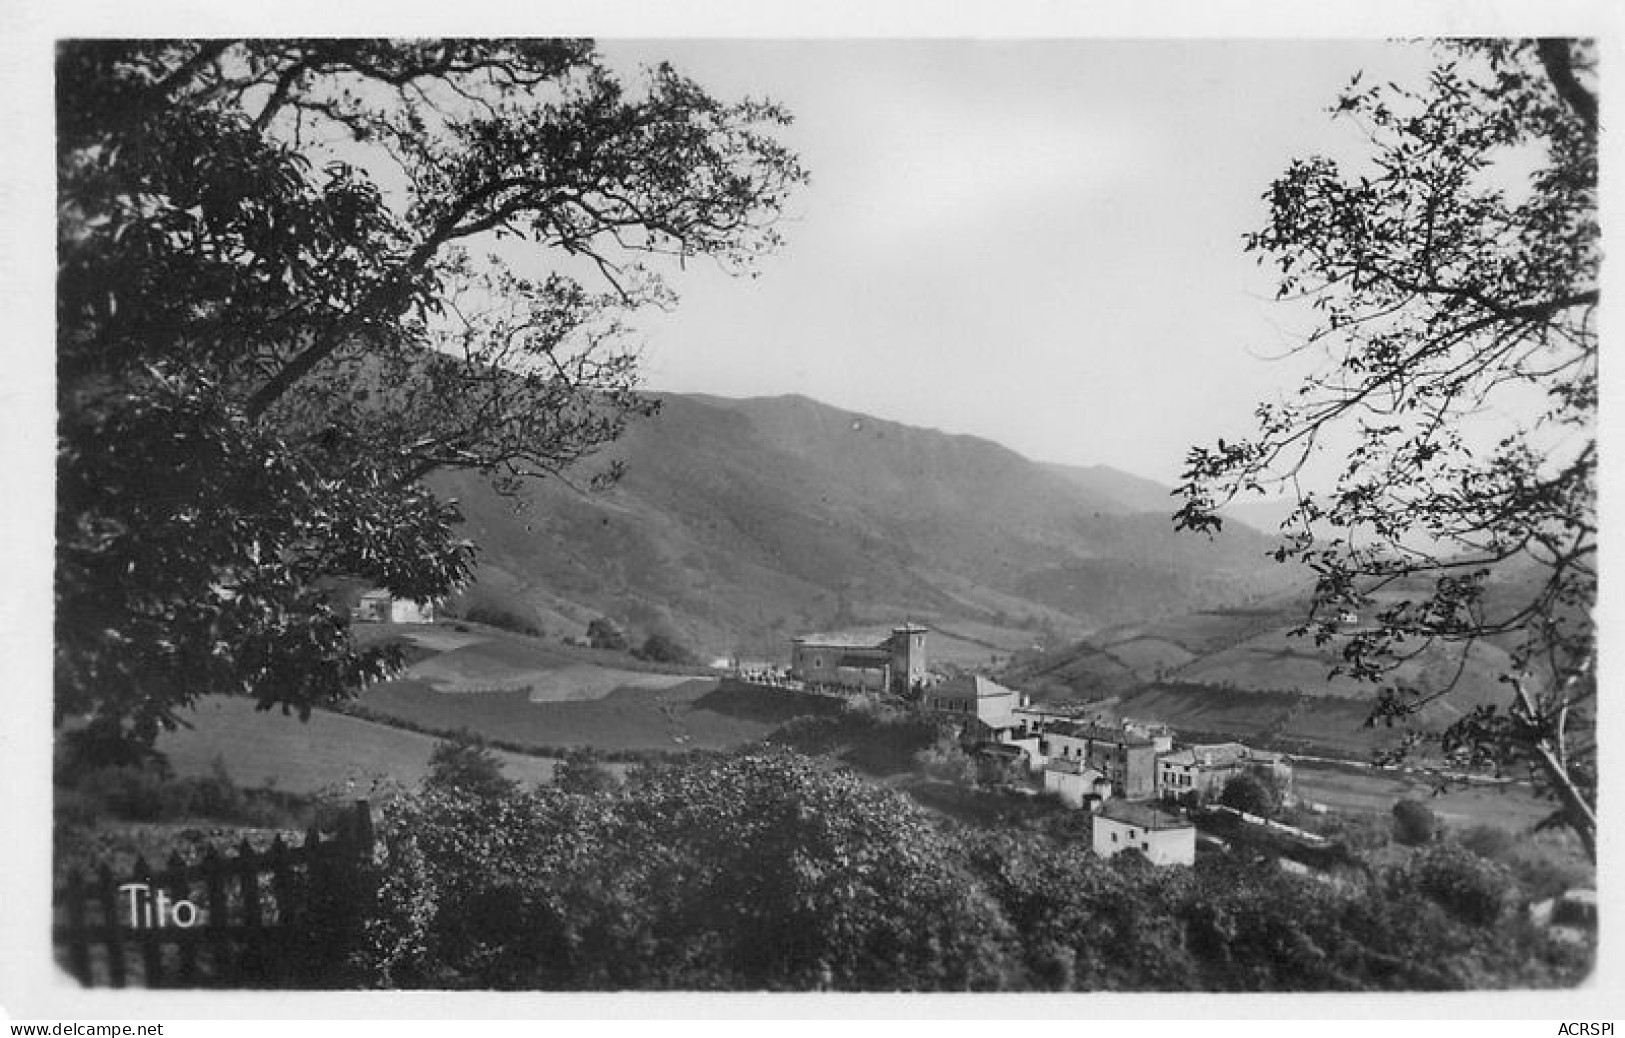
740	522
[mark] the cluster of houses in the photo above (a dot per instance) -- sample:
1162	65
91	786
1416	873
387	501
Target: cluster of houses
1132	775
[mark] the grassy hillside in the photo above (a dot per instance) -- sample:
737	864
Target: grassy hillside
1238	673
328	753
741	523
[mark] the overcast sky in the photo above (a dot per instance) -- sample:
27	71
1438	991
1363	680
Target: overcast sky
1034	241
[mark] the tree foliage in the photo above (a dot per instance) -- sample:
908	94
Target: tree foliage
755	872
1253	793
465	766
771	871
297	276
603	634
1469	887
1452	277
1414	822
663	648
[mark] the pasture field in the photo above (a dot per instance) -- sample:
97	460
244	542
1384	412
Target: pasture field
1514	807
1197	633
1325	725
330	752
695	714
1145	655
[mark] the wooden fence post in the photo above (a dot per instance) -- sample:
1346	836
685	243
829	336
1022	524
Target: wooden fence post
150	936
251	956
178	881
78	939
214	881
112	932
289	911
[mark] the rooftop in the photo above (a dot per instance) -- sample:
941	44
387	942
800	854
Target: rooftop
1143	815
1224	754
1099	733
1071	766
858	637
974	683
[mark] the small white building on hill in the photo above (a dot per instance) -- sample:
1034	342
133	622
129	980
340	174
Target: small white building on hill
1162	836
974	697
377	605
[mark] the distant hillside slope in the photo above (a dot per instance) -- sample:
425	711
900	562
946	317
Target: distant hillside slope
741	522
1131	492
1238	673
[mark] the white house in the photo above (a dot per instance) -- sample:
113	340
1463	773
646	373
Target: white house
975	697
1199	772
1163	837
379	606
1078	785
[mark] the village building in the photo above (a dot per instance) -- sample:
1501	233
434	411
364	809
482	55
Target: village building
862	661
1163	837
1025	747
1160	735
975	698
1076	784
377	605
1199	772
1128	761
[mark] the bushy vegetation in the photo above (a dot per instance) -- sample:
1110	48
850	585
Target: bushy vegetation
463	764
1414	822
662	648
878	737
1472	889
767	870
603	634
1253	792
758	871
946	761
148	791
507	620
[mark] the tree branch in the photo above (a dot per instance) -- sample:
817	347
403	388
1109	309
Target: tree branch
1556	58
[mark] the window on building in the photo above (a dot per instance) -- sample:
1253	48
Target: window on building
1114	837
1145	847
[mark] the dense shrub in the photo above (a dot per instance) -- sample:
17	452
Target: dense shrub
1488	841
880	738
946	761
463	764
149	792
660	648
1414	823
603	634
1473	889
1253	793
757	871
507	620
580	771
